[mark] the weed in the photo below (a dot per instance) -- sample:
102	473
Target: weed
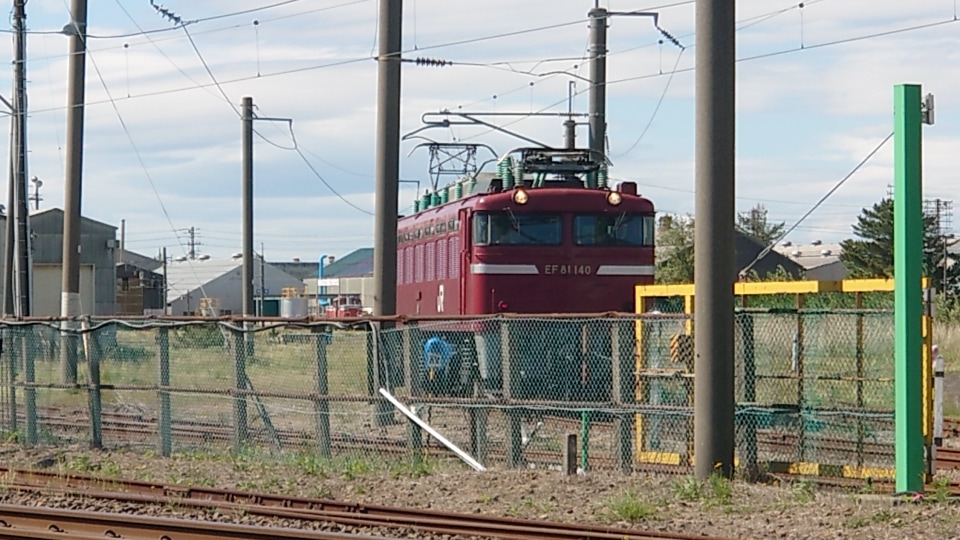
310	464
352	467
81	463
412	468
687	488
111	468
720	489
629	507
941	489
802	491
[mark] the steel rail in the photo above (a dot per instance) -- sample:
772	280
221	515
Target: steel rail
308	509
45	522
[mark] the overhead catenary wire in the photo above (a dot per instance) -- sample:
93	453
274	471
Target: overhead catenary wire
833	190
295	147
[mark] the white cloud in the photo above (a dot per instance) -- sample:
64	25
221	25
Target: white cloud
804	118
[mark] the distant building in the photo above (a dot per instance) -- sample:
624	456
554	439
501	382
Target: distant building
352	274
98	244
819	261
215	285
139	291
746	250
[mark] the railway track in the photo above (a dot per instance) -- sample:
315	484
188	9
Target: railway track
130	426
60	524
375	517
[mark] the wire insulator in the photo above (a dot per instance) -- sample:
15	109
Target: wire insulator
670	37
437	62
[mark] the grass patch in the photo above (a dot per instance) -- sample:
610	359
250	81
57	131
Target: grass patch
630	507
687	488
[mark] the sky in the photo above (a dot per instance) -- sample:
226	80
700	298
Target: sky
162	129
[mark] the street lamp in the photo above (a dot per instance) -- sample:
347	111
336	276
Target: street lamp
36	198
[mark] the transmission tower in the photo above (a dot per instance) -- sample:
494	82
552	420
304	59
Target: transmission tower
192	242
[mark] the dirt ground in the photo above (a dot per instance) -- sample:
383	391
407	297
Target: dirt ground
658	502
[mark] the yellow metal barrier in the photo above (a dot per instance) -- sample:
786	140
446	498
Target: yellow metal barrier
681	356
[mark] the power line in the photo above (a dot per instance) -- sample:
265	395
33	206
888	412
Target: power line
293	137
767	250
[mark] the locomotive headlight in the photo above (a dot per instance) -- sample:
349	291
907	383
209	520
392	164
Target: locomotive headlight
520	196
614	198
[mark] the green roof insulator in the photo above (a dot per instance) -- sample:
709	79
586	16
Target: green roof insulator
416	205
434	199
425	201
471	185
444	195
505	171
602	176
457	190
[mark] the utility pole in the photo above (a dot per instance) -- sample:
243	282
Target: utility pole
192	243
70	284
570	125
263	282
388	158
9	238
163	297
387	179
21	210
247	196
713	430
123	238
598	78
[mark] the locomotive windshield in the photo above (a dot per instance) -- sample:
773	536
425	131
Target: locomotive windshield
510	228
621	229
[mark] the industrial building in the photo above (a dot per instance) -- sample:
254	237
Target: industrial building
819	261
351	275
214	286
98	244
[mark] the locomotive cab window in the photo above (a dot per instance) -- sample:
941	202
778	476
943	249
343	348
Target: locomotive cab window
613	229
511	228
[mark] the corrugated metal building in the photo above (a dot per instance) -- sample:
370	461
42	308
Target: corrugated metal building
98	243
219	281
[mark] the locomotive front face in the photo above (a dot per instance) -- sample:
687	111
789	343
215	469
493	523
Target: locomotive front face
563	251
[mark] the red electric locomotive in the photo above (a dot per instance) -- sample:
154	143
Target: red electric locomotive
543	235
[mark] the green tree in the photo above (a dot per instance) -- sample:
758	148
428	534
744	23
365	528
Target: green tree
755	223
674	249
872	254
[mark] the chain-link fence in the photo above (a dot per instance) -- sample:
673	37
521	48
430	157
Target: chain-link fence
812	386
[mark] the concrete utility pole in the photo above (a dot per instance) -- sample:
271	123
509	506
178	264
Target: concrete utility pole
387	173
598	78
70	284
713	431
21	210
247	196
9	238
388	158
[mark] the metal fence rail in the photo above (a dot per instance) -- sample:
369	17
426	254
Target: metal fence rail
814	388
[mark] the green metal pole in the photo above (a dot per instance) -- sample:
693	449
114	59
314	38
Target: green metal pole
908	254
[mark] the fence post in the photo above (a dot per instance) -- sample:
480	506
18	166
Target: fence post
322	404
861	431
378	373
162	339
514	433
239	384
802	427
749	426
411	371
623	392
11	366
91	350
29	392
570	454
